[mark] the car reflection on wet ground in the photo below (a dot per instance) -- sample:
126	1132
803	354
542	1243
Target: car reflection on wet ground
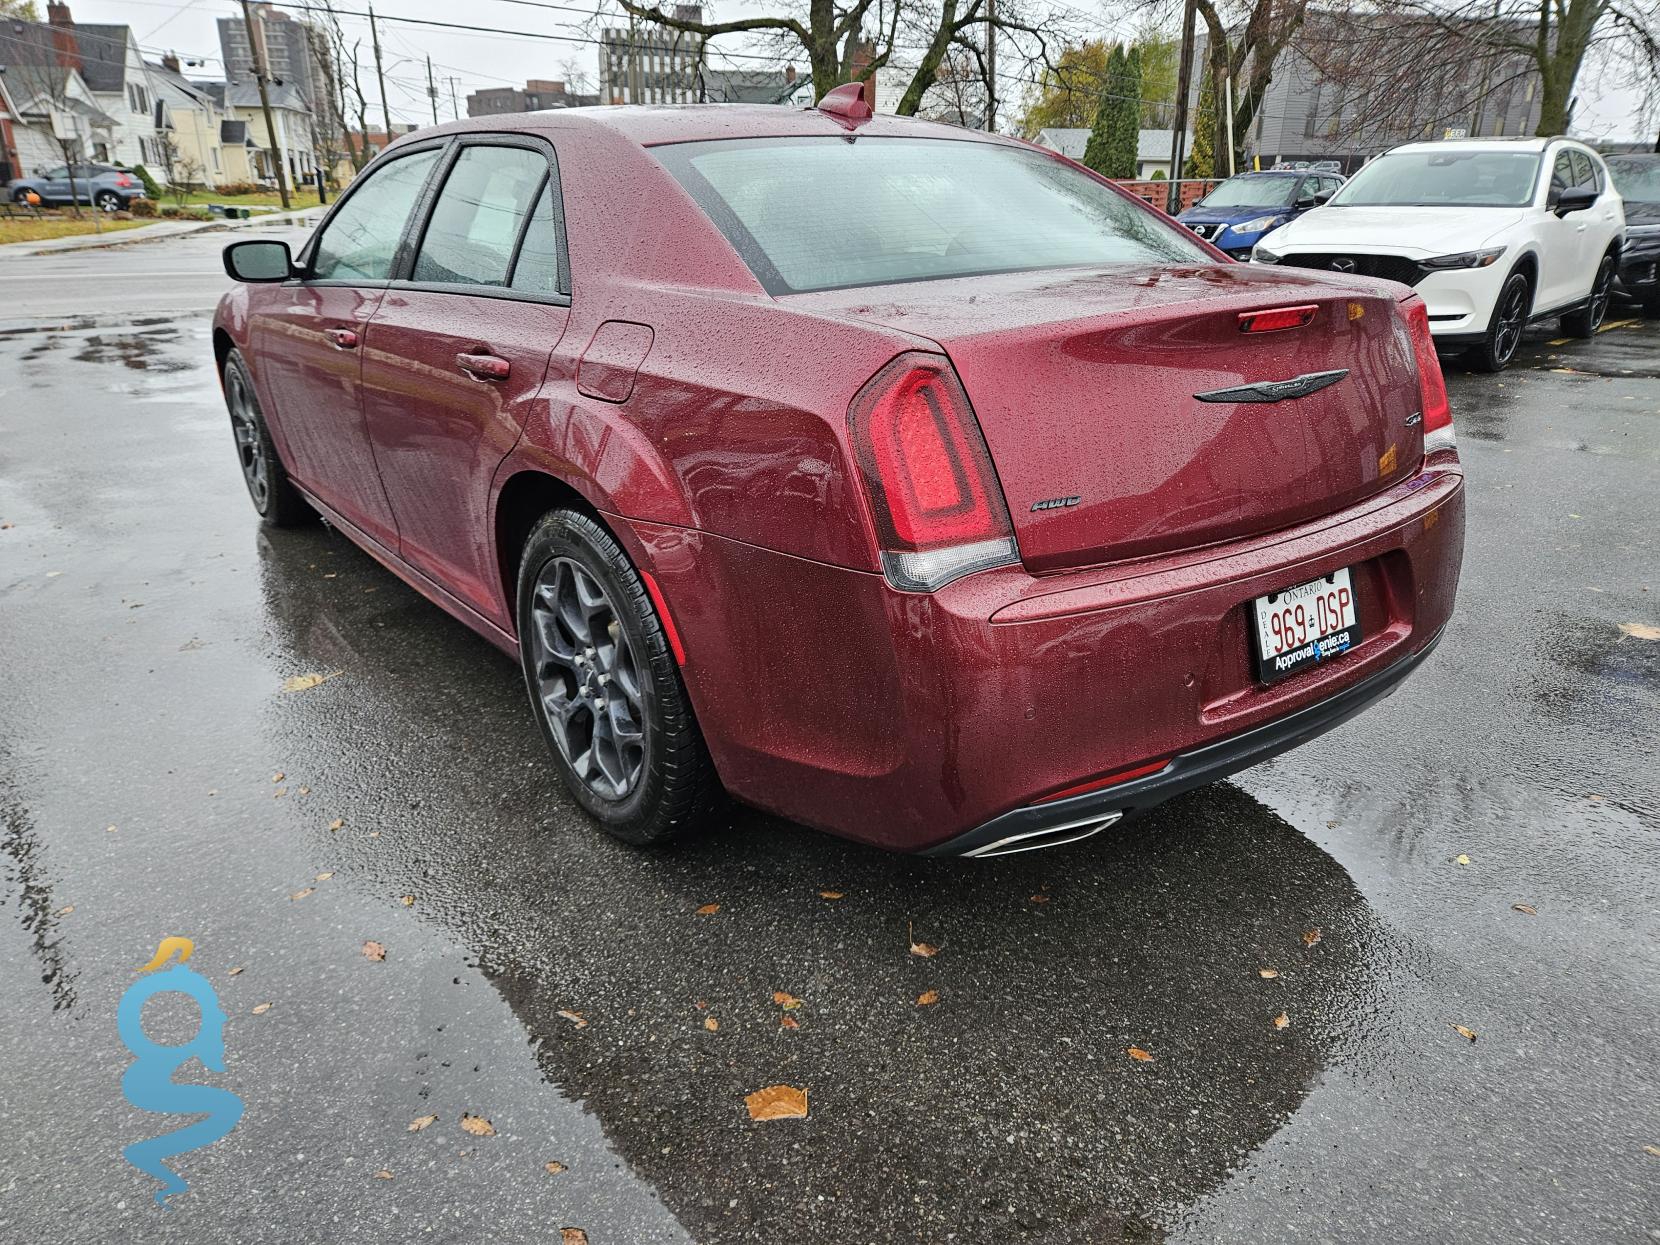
1294	950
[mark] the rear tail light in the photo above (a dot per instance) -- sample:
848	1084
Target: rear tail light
938	509
1432	386
123	180
1278	318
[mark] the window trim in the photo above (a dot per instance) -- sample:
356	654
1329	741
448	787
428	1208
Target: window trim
308	253
404	265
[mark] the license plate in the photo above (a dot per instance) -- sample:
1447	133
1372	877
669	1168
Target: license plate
1312	622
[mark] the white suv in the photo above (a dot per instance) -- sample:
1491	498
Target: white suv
1492	233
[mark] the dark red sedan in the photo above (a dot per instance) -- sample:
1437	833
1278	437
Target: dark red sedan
910	482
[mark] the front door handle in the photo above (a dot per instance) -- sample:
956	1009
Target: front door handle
484	366
345	339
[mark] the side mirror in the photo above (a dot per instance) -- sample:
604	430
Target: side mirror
1323	198
1304	202
1574	199
258	262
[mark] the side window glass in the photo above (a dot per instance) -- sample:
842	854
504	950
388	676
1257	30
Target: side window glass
537	269
1562	173
1583	176
361	242
479	215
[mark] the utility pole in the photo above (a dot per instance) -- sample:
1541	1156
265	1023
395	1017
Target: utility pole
1178	135
991	65
432	92
455	107
380	74
256	46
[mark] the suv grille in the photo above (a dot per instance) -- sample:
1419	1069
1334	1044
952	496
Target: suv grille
1389	267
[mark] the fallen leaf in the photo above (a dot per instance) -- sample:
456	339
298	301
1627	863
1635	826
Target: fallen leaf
279	793
708	909
407	901
109	829
1526	909
924	949
1467	1034
1281	1021
787	1001
383	1174
554	1167
711	1024
278	776
374	834
476	1125
324	877
374	951
1641	631
830	894
1040	899
1461	859
572	1236
1654	1150
928	998
305	791
261	1008
787	1021
576	1018
336	823
66	910
305	682
426	1121
234	971
1311	936
1268	973
301	894
1139	1055
777	1102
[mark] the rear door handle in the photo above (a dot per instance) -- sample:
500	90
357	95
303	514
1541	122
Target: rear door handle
484	366
346	339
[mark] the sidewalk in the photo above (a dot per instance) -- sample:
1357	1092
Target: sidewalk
161	229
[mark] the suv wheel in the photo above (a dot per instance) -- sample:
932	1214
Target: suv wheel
21	195
108	201
278	502
605	688
1504	327
1588	319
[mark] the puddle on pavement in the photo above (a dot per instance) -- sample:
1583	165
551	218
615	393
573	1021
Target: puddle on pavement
1009	1108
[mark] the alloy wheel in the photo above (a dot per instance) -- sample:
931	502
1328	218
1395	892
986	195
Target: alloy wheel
1512	319
1602	293
250	446
587	679
109	203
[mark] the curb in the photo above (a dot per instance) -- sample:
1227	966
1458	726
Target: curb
156	232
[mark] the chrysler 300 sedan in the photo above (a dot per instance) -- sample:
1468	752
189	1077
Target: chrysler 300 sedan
909	482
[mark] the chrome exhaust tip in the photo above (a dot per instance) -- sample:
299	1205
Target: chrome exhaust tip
1049	836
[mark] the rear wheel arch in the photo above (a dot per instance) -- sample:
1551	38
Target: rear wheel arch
521	503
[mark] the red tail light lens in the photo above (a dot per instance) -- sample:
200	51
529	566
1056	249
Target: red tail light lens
938	509
1432	386
1278	318
123	181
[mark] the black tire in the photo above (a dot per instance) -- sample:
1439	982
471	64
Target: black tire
1651	308
597	665
108	201
1588	319
276	499
1504	327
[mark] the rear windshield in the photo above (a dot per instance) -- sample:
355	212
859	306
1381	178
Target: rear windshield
1636	177
1251	192
1427	178
823	213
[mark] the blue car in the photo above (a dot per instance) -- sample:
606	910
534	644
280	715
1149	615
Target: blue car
1243	208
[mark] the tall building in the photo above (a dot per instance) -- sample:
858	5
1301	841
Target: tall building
288	54
649	63
538	94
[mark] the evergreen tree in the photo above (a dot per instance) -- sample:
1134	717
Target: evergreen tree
1097	153
1125	128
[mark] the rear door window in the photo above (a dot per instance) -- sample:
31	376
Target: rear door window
360	241
481	214
537	268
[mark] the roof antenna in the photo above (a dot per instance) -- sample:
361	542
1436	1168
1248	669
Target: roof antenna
849	105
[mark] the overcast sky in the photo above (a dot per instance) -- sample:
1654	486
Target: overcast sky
476	59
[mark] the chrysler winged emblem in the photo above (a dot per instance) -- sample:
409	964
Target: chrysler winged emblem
1276	390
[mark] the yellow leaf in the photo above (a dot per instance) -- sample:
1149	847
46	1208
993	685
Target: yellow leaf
787	1001
1139	1055
324	877
301	894
235	971
1641	631
374	951
576	1018
477	1125
1467	1034
928	998
278	776
554	1167
1268	973
1311	937
336	823
407	901
1281	1021
1654	1150
305	790
777	1102
305	682
65	910
1461	859
425	1121
711	1024
830	894
261	1008
383	1174
708	909
572	1236
1525	909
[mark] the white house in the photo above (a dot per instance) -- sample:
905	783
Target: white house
113	68
54	114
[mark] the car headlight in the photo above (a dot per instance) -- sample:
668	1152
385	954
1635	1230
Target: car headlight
1465	259
1262	255
1256	226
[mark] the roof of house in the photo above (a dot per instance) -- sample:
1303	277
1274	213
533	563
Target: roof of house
103	55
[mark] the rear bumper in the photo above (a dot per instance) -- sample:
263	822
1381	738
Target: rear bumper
909	721
1064	821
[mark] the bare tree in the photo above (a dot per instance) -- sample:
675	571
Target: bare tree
41	67
1244	40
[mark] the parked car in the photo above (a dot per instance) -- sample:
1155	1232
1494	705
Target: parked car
974	519
102	185
1637	178
1492	233
1240	210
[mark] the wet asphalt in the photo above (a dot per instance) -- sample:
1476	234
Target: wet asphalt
156	779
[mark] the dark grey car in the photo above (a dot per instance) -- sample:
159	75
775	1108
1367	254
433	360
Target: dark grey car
102	185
